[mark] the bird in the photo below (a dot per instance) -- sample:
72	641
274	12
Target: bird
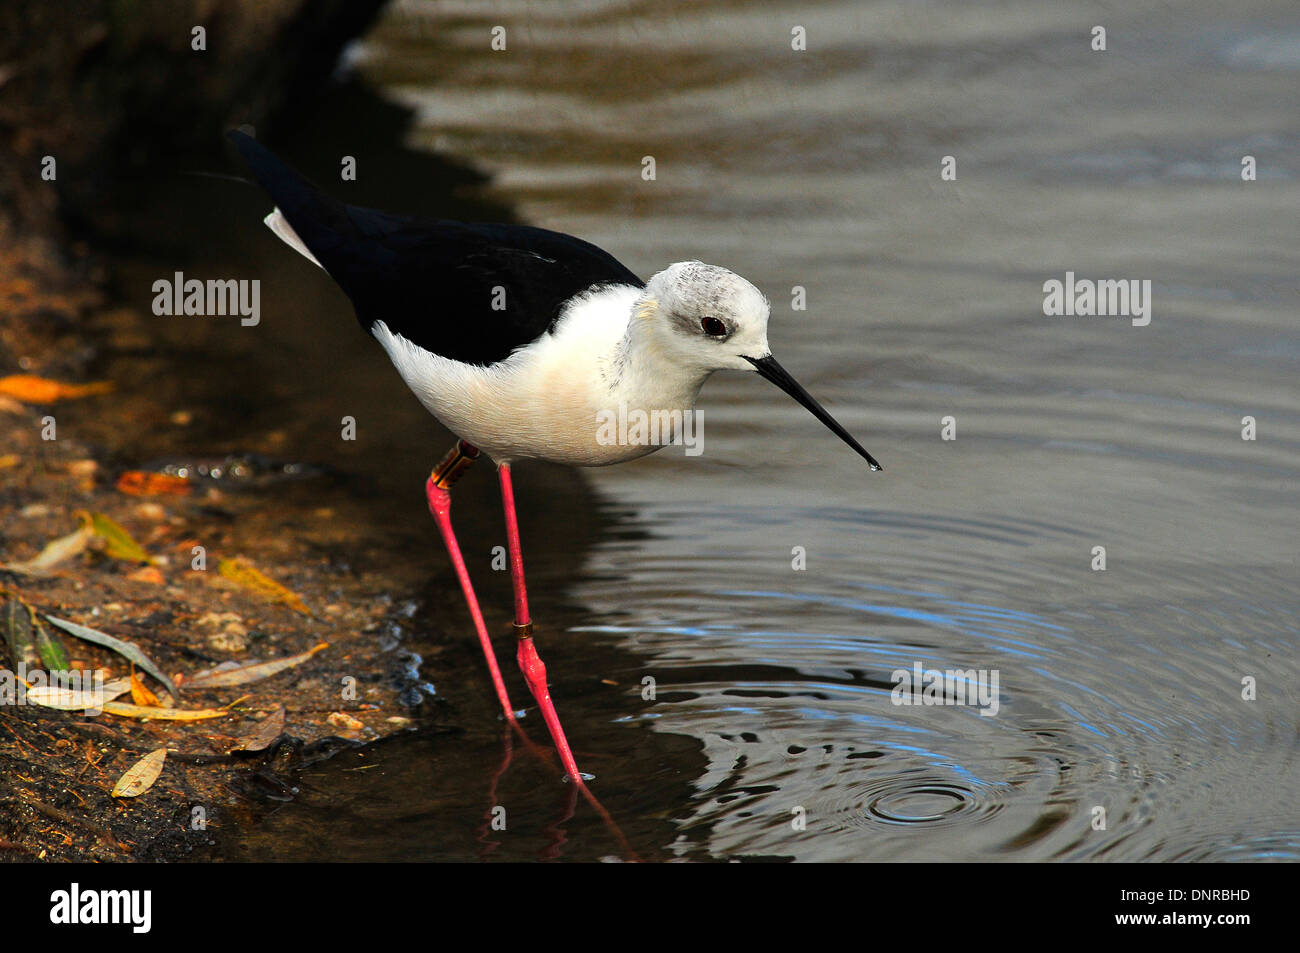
524	342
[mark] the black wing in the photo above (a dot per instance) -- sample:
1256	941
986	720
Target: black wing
435	282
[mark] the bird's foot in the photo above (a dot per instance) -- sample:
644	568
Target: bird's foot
534	671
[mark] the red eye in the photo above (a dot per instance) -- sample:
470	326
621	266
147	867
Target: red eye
713	327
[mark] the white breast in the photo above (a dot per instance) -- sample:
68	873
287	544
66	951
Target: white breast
545	400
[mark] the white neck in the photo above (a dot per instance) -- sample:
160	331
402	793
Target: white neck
642	369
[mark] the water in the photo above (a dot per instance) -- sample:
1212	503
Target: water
1120	693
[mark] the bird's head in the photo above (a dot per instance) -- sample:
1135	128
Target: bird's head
705	318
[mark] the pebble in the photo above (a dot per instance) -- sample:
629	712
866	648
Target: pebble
151	511
341	719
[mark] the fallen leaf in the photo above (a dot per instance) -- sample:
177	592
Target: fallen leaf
123	710
74	699
249	672
143	483
53	653
121	647
140	694
17	622
254	580
8	460
141	775
118	543
42	390
55	552
265	734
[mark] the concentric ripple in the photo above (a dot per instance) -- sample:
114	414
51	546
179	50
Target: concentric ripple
789	689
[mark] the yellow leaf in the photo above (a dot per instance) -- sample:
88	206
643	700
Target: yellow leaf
141	775
140	694
254	580
123	710
42	390
250	671
118	543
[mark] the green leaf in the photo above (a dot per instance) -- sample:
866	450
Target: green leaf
54	654
118	543
16	622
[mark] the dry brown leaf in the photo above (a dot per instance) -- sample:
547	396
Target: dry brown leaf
141	775
261	738
55	552
249	672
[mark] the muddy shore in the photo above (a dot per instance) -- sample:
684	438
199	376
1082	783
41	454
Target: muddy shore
114	101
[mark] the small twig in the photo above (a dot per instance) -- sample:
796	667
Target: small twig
55	814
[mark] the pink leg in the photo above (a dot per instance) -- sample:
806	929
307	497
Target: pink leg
437	488
530	663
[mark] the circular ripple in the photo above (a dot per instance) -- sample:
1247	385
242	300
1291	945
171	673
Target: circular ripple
922	806
911	800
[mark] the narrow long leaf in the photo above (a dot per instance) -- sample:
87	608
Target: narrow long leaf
248	576
75	699
124	710
54	654
55	552
249	672
123	648
118	543
16	620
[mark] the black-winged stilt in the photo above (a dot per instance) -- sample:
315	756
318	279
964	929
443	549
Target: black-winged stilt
522	341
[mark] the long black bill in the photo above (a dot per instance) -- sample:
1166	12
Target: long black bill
769	369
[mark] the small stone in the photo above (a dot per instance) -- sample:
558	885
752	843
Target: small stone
214	619
341	719
228	642
147	574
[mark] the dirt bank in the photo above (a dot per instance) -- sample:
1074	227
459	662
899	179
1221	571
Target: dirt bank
100	89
